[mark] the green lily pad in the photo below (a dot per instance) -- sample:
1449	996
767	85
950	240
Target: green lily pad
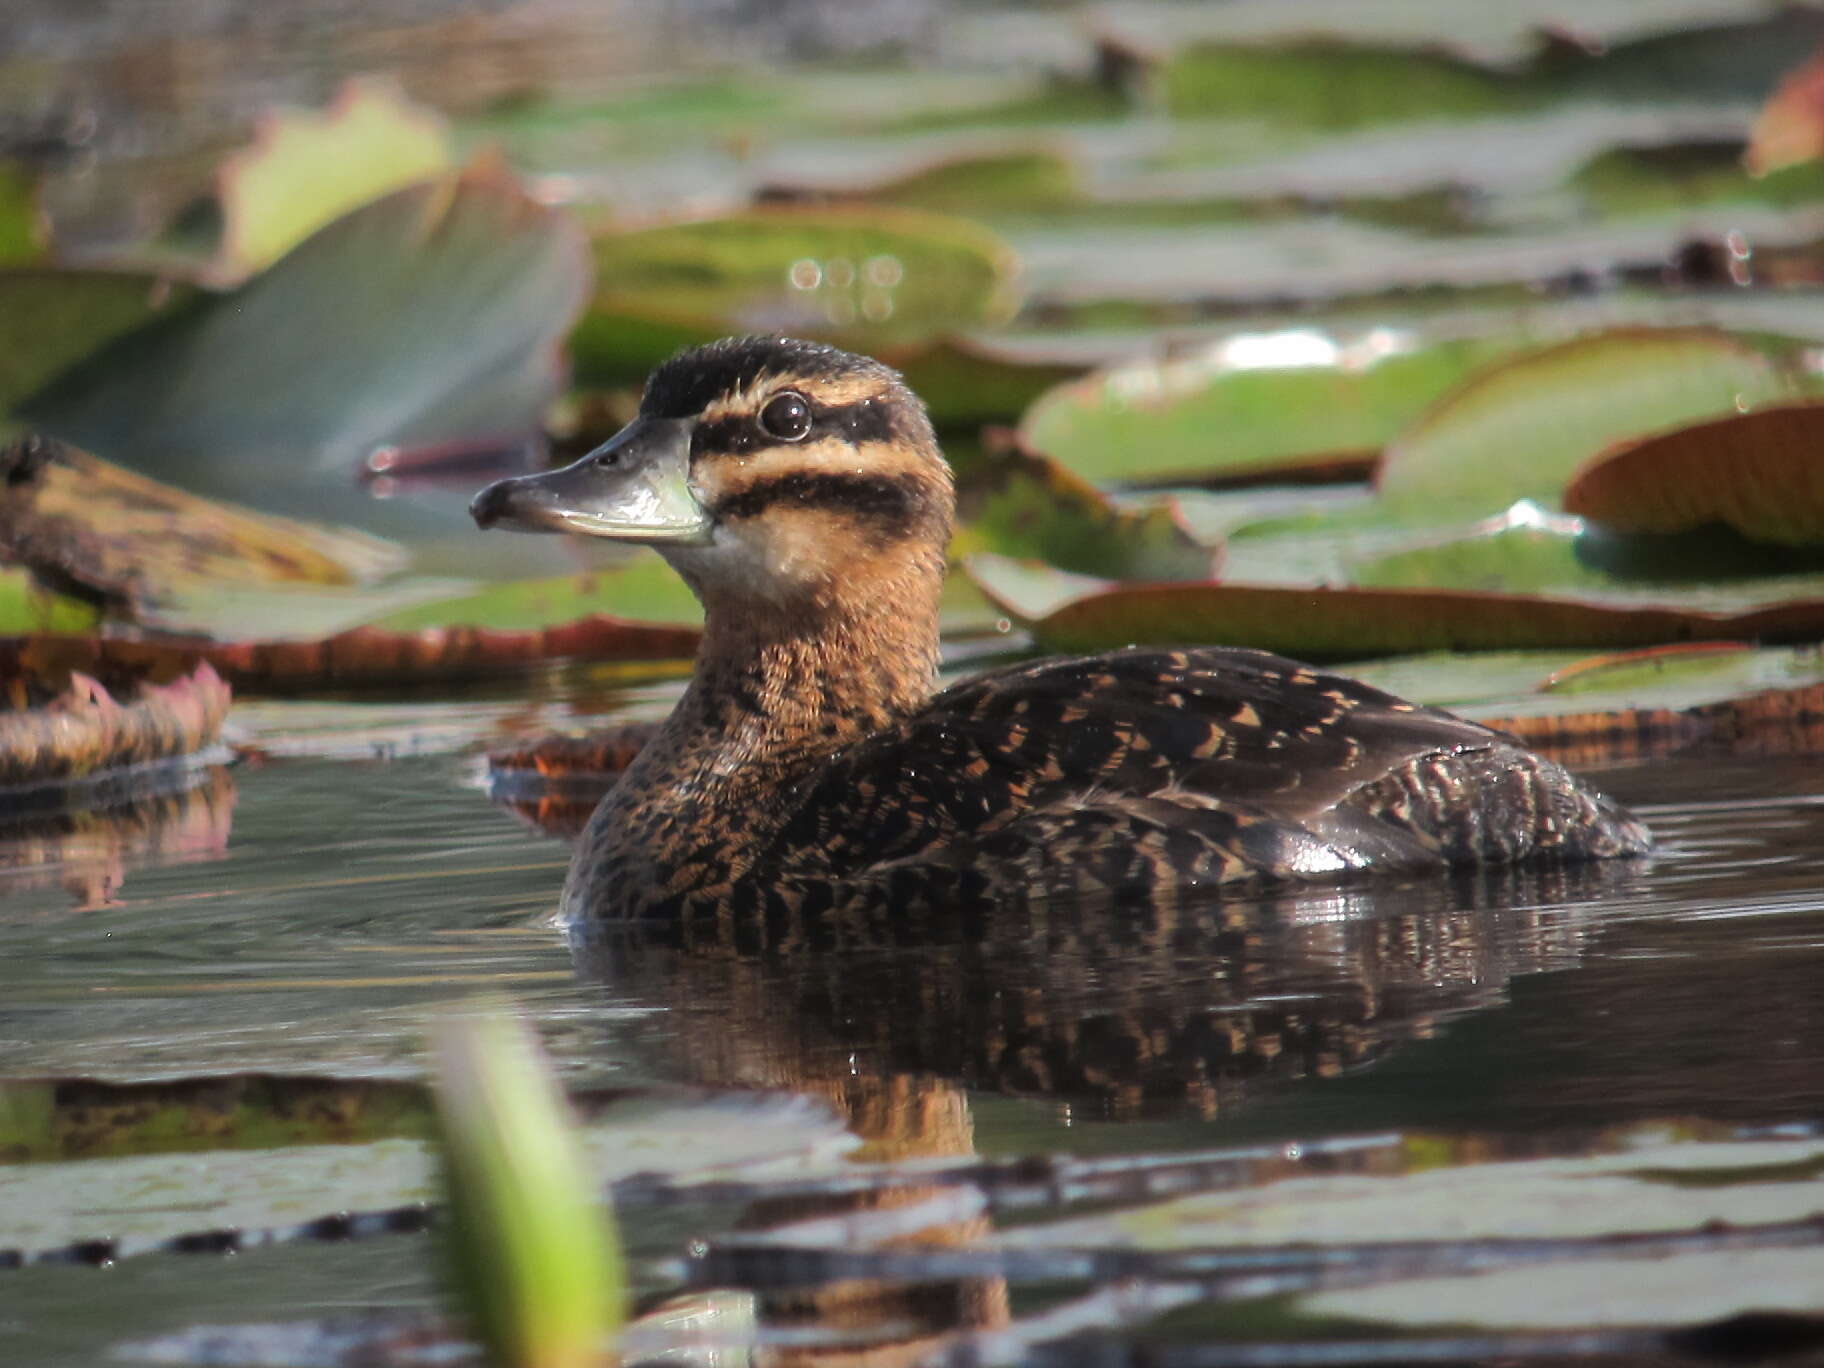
1758	473
433	313
868	278
1673	177
1025	506
50	319
1341	623
967	382
645	590
1220	413
973	183
22	226
1518	429
306	169
1330	85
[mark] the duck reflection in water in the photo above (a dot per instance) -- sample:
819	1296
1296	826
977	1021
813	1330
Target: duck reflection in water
1120	1012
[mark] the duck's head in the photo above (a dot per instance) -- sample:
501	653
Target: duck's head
766	470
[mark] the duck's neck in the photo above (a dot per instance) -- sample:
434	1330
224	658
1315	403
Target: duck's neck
775	694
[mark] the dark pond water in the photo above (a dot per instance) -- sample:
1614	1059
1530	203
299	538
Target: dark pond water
302	916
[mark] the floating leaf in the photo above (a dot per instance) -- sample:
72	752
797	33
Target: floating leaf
1518	429
50	319
1018	504
369	656
1329	623
1677	176
1327	84
432	313
536	1264
81	524
1261	406
973	184
305	169
645	590
22	227
869	278
967	382
1761	473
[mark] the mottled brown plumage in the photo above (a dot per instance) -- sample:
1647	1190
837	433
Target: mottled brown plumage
808	776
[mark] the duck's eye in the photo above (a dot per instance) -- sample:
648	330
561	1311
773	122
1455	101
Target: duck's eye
787	417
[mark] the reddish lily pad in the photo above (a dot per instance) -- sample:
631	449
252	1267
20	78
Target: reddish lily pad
81	733
1518	429
1761	473
367	655
1332	623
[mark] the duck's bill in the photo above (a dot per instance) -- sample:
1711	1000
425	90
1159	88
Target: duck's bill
635	487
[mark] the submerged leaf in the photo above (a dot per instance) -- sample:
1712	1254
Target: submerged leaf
305	169
1518	429
1761	473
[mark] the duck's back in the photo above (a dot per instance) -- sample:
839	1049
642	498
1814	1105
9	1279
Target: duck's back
1147	770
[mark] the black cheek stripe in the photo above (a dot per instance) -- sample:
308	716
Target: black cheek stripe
884	500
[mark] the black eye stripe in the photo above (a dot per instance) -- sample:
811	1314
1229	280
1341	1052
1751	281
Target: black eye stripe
867	420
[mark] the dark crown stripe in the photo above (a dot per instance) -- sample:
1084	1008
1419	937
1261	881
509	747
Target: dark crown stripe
884	500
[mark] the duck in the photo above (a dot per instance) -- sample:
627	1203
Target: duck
812	769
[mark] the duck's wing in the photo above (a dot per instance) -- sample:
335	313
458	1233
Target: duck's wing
1267	765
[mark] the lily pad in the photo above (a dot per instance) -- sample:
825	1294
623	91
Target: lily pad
1518	429
1330	85
1760	473
869	278
977	184
968	381
645	590
79	736
1018	504
22	226
1340	623
306	169
1259	405
423	315
51	319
